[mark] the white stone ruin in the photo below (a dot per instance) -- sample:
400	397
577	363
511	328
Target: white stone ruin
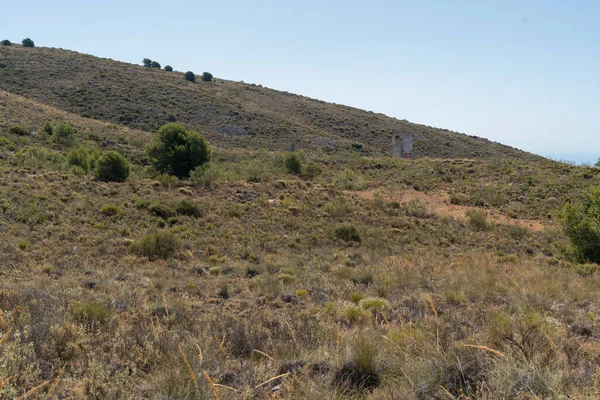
402	145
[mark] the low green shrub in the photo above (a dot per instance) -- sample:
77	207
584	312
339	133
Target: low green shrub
293	163
347	233
112	167
48	128
157	245
92	313
110	210
7	144
478	220
186	207
161	210
80	157
64	134
18	130
375	303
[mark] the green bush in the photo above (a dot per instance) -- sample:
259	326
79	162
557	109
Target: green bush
478	220
347	233
190	76
207	77
581	224
155	64
7	144
90	313
158	245
112	167
168	68
48	128
186	207
28	43
293	163
161	210
64	134
147	62
110	210
80	157
375	303
6	42
177	151
18	130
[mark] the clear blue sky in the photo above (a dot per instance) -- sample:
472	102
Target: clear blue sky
525	73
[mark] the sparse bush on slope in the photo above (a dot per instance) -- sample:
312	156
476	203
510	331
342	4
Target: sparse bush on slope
177	151
112	167
158	245
64	134
581	223
28	43
80	157
293	163
189	76
168	68
207	77
6	42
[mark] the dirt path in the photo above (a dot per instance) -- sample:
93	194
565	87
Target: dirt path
439	203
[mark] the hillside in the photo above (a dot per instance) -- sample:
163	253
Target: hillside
362	277
251	116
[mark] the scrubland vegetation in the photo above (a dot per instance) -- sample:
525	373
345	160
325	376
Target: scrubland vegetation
260	273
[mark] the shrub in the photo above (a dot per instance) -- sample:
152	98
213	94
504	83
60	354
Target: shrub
110	210
375	303
347	233
349	180
293	163
581	224
360	372
416	208
161	210
80	157
207	76
186	207
177	151
354	314
6	42
18	130
112	167
158	245
223	291
8	144
168	68
155	64
338	207
147	62
311	171
90	313
478	220
28	43
64	134
48	128
77	170
189	76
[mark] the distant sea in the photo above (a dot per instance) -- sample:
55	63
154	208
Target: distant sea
574	157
